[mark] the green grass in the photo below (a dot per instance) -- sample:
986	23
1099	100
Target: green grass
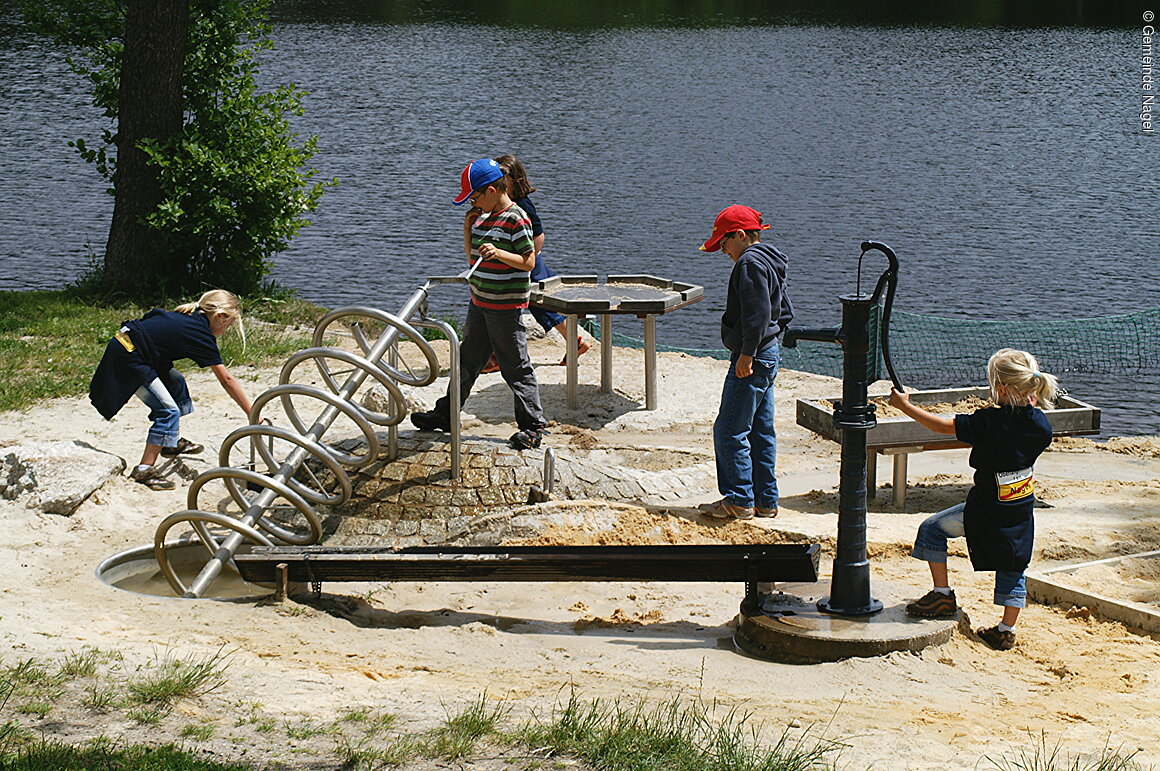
51	341
54	756
675	736
170	679
1044	757
460	733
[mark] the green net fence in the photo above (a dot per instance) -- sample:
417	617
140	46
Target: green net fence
935	352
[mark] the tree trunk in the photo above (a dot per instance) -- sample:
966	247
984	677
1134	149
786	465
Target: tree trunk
149	106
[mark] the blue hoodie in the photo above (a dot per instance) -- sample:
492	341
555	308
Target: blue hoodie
758	309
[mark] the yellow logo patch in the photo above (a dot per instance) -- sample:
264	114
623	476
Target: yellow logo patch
1015	485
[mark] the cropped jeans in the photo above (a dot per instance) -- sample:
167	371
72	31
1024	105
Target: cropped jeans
744	439
164	410
930	545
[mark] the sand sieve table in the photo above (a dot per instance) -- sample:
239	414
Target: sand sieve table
645	297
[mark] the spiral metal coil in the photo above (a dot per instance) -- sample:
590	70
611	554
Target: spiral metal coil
290	479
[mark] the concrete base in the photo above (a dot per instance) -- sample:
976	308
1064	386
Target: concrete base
789	627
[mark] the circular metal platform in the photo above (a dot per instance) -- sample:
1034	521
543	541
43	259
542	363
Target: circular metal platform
789	628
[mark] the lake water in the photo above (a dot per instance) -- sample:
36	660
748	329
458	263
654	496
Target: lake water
1005	164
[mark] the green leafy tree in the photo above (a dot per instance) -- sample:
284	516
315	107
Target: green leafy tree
208	199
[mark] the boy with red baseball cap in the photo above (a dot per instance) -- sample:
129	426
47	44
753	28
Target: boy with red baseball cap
757	311
497	235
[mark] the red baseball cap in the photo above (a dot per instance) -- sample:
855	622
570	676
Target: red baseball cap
732	219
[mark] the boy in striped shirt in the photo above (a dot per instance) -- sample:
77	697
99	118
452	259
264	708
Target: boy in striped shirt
497	234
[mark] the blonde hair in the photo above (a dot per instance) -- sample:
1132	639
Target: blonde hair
218	302
1018	373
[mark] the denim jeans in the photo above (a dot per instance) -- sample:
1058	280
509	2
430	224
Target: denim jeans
930	545
744	439
164	411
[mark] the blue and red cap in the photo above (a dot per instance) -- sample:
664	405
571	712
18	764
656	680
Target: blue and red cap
476	175
730	220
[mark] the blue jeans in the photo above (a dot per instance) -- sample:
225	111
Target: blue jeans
744	439
930	545
164	411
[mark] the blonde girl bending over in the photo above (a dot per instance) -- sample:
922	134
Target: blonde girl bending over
138	361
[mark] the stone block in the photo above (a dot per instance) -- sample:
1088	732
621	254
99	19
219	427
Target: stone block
514	495
491	496
413	494
433	529
406	527
464	497
439	496
508	459
475	477
478	460
59	475
528	475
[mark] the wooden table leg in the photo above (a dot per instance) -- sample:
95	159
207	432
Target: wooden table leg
650	362
572	369
900	479
606	353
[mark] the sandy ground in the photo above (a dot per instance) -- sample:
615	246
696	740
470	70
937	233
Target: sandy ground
420	650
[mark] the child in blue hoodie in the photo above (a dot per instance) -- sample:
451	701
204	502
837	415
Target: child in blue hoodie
757	311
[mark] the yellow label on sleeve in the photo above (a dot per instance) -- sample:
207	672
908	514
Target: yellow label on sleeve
123	338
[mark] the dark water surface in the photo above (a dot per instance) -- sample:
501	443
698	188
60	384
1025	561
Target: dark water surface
1005	165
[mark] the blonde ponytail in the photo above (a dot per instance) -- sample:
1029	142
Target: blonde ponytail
217	302
1019	374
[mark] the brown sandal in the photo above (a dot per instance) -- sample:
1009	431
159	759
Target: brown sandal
151	479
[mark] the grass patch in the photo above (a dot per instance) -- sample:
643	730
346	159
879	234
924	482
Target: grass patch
674	736
460	733
201	732
99	756
1043	757
51	341
170	679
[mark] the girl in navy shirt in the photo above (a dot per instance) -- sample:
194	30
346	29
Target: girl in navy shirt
997	517
138	361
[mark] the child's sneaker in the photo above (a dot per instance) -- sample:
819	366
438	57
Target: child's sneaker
762	511
150	478
527	439
997	638
723	509
934	604
184	447
431	421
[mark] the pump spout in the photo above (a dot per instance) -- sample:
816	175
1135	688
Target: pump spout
822	335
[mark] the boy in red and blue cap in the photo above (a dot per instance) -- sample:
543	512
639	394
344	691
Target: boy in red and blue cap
757	311
497	235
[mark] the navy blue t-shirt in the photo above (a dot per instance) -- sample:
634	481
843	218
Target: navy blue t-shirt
160	337
1005	443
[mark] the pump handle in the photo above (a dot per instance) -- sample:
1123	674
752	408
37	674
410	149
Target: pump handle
889	281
